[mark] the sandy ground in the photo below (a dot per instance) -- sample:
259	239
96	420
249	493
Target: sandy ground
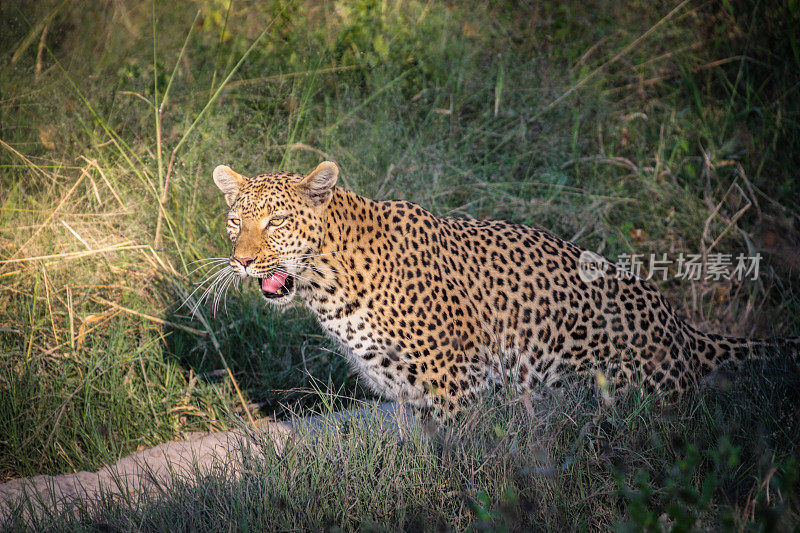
151	469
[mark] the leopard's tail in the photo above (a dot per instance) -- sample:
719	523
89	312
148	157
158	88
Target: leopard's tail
711	351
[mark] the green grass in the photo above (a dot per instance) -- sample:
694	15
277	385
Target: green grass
556	462
622	127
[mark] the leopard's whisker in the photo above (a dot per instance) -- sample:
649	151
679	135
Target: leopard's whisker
218	289
218	264
208	259
224	298
210	291
218	292
218	276
212	274
235	282
217	296
200	285
213	261
199	300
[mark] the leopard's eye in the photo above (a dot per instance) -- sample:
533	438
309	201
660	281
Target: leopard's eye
234	222
276	221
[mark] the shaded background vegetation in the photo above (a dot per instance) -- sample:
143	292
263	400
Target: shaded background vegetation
628	128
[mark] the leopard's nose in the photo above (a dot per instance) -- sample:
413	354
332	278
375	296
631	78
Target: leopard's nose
244	261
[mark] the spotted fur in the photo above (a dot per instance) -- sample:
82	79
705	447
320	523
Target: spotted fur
433	311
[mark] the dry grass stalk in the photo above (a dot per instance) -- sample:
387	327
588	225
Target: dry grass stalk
659	79
93	162
28	162
52	213
40	51
34	32
151	318
166	265
47	284
77	236
97	320
118	247
731	223
71	320
94	189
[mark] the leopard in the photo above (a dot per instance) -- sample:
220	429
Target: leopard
434	311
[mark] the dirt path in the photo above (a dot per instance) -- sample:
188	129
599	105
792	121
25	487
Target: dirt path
151	469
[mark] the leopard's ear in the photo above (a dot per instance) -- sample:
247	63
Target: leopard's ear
317	187
229	182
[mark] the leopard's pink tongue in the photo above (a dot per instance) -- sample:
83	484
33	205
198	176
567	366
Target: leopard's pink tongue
274	282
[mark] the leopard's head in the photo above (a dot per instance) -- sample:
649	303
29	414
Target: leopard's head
276	222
